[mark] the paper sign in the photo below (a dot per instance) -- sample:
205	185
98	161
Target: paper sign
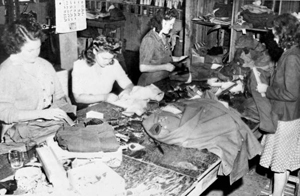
70	15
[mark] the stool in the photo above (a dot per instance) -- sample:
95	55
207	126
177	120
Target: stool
292	185
295	180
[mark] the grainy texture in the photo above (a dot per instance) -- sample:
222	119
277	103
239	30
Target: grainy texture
152	179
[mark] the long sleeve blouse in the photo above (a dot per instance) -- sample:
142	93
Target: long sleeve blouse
26	89
284	90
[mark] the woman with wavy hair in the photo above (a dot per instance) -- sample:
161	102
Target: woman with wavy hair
95	72
29	86
155	52
281	150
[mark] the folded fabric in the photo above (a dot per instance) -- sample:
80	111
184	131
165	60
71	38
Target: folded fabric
148	92
136	101
93	138
31	130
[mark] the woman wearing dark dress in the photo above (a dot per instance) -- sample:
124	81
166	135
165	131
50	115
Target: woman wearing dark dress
155	52
282	149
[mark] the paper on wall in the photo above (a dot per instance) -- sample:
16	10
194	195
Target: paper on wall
70	15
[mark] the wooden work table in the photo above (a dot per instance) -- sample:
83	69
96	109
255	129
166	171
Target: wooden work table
175	171
153	169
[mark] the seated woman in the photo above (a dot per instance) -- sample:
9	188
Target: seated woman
29	85
155	54
95	72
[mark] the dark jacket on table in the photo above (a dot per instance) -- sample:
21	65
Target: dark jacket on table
284	90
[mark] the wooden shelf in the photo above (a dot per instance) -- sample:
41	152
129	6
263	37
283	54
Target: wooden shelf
139	9
257	30
200	22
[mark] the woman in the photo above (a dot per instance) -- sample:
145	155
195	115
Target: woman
28	84
155	53
96	71
281	150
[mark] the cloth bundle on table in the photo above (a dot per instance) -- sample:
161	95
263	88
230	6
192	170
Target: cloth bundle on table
26	131
136	101
18	134
93	138
207	124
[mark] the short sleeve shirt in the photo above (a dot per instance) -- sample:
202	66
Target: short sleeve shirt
153	52
97	80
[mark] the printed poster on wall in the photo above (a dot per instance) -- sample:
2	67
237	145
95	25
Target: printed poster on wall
70	15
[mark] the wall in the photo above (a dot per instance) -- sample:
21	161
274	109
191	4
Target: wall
42	13
40	8
135	29
136	24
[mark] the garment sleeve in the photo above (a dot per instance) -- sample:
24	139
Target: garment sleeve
291	78
8	112
122	78
146	51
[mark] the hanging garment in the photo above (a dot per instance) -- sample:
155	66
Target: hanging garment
267	118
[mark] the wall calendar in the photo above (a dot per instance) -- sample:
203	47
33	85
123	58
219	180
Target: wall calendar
70	15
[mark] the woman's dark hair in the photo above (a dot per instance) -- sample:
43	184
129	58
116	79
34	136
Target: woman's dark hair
272	47
286	27
100	44
15	34
156	20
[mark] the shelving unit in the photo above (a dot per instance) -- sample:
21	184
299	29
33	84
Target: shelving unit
196	31
137	18
139	9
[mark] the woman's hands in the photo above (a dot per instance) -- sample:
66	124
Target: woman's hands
53	114
163	67
169	67
180	58
262	88
125	94
111	97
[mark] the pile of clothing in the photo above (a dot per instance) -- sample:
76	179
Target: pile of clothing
254	16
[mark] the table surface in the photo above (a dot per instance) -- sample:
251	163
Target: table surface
181	166
175	172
